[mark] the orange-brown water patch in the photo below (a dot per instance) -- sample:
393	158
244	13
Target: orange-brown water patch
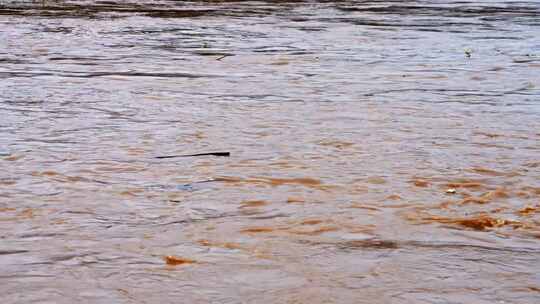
276	182
13	157
316	231
7	209
393	197
292	200
483	222
26	213
308	182
420	183
527	289
287	165
523	194
465	184
528	210
257	230
7	182
136	151
175	260
59	222
204	242
45	173
480	222
254	203
59	177
311	222
50	173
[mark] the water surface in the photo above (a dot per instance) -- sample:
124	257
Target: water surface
381	151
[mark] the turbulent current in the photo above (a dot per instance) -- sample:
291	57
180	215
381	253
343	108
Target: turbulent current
380	152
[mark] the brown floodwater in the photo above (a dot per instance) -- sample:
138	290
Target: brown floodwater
381	151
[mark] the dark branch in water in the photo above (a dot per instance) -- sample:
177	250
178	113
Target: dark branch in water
221	57
225	154
14	251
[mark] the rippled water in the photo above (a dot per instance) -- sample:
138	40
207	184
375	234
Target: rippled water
381	151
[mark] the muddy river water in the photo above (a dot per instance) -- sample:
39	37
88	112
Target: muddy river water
381	151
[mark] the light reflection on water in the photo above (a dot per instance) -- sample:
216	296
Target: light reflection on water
381	152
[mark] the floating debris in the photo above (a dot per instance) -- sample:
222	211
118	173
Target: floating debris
223	154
